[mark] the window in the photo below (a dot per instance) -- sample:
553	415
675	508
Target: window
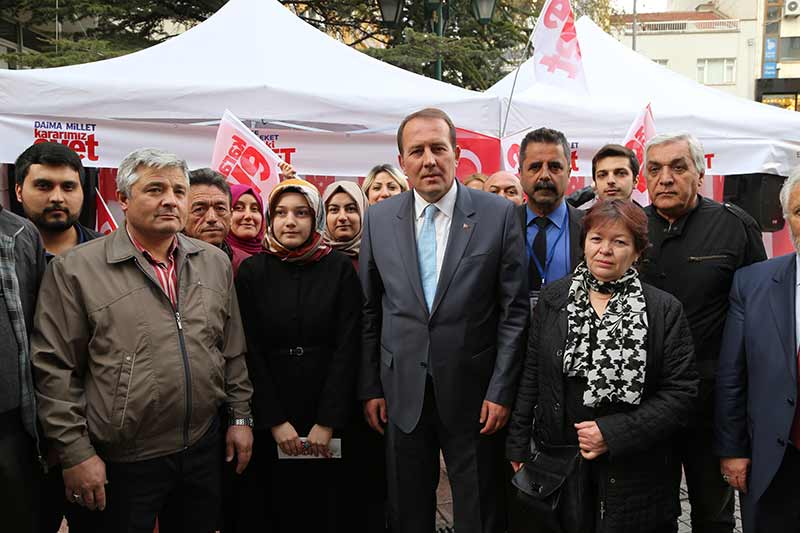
716	71
662	62
790	48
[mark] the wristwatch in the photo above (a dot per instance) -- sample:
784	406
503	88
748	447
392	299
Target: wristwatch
244	421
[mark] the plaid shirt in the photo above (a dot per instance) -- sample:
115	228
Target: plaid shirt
166	273
9	287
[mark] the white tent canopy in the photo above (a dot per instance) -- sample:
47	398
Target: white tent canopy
743	135
255	58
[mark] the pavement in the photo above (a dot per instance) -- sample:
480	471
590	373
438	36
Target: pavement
444	510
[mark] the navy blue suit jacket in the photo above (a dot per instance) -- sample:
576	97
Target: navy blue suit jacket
756	388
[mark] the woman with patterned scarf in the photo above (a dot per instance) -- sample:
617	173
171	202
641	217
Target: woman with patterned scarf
301	309
609	370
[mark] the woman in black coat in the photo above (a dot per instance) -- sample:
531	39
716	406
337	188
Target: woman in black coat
610	368
301	309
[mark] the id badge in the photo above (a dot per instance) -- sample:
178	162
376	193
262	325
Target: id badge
533	298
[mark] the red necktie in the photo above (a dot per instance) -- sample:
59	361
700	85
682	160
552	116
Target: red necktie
794	434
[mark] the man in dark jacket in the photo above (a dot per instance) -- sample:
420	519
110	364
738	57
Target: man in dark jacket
697	245
50	179
49	185
544	171
21	267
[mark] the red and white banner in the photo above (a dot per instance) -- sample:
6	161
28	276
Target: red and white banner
642	130
556	51
105	223
479	153
242	157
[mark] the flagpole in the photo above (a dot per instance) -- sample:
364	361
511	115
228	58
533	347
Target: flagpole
528	46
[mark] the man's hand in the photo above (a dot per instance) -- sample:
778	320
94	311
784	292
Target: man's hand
590	440
734	471
288	440
493	417
239	439
375	413
318	439
85	483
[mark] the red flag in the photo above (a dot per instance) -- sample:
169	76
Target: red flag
642	130
479	153
556	51
105	220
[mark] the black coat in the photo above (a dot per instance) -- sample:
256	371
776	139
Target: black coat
316	307
641	472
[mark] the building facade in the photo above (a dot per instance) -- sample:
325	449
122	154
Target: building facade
715	43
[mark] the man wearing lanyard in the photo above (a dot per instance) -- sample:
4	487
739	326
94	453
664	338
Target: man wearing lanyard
552	228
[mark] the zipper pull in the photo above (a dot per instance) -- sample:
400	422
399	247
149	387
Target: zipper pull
178	320
602	509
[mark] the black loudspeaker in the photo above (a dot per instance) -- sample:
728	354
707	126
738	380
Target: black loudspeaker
758	195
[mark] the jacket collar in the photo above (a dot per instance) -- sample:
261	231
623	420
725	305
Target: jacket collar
119	247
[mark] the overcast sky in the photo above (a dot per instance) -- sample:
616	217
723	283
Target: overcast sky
642	6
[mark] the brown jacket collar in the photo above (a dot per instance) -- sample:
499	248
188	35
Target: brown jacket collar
119	247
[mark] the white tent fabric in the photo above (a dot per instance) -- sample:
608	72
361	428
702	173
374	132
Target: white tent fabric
255	58
743	136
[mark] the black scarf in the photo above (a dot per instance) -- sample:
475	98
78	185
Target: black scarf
615	369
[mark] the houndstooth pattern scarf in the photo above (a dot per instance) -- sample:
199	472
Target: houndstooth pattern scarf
615	369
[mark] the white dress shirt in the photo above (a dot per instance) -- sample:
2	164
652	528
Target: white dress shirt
441	221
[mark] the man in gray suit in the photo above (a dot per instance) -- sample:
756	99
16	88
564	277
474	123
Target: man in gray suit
443	269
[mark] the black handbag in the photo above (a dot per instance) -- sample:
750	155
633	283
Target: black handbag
542	481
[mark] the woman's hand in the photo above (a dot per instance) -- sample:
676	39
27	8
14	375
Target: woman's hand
590	440
318	439
287	438
287	170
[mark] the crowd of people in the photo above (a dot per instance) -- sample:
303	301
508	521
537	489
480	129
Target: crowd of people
218	364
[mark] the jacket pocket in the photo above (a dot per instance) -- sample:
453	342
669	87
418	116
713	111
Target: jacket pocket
123	391
387	357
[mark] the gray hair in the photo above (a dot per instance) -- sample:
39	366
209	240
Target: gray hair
392	170
695	147
786	190
150	158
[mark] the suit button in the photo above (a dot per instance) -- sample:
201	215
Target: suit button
790	400
781	442
423	364
612	480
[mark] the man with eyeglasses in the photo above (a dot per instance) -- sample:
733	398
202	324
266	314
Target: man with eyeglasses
696	246
209	208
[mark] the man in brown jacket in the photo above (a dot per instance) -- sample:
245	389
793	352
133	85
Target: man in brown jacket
137	343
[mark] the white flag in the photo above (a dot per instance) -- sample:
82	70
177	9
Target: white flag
556	52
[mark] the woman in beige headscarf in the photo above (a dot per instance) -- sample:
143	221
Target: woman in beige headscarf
345	205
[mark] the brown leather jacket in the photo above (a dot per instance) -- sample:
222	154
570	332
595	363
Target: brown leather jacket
118	371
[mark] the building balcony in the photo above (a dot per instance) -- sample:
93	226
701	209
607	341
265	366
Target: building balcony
684	26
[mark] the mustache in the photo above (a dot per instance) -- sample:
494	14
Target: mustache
52	208
545	186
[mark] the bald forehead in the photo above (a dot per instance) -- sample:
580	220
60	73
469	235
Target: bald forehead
502	179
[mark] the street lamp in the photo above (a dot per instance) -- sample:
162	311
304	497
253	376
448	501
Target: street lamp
483	10
391	12
436	12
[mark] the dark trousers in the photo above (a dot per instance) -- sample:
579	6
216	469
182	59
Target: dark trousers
778	509
54	507
20	476
413	472
182	489
711	498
